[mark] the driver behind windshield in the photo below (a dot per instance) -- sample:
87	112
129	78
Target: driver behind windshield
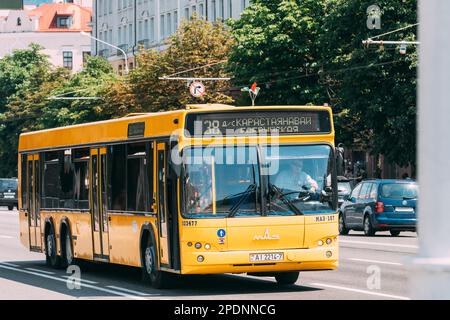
293	178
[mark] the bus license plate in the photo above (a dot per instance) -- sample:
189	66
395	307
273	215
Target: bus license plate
257	257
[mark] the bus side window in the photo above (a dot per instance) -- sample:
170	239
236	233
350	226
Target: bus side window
149	177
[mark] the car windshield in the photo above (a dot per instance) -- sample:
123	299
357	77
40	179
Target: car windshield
399	190
344	187
229	181
8	184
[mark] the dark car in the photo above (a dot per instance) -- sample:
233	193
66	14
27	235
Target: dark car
8	193
380	205
344	189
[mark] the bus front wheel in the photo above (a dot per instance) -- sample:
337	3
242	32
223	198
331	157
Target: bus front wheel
287	278
158	279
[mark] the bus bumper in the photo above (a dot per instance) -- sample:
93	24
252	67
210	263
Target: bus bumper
239	261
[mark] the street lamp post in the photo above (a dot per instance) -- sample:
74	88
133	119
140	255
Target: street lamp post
111	45
430	274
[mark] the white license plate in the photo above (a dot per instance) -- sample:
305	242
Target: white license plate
404	209
257	257
7	196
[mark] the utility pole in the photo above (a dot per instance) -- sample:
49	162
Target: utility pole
430	269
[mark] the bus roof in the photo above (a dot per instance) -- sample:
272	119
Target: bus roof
157	124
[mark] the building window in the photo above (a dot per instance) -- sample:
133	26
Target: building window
68	60
63	22
221	9
162	26
214	12
86	54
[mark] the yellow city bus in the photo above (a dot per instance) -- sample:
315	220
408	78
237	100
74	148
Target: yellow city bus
208	189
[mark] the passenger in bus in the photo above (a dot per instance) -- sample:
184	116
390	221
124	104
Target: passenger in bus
294	178
199	190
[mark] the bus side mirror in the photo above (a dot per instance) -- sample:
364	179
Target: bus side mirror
340	163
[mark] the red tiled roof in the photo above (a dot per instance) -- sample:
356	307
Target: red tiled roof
48	13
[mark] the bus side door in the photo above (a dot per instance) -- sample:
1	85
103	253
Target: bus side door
161	201
33	203
100	223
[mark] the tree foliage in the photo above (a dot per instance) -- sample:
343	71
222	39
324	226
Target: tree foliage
28	104
198	49
311	52
276	46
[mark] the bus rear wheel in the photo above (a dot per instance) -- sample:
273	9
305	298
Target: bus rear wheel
158	279
287	278
51	257
67	251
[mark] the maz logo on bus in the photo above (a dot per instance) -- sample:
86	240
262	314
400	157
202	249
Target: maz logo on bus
266	236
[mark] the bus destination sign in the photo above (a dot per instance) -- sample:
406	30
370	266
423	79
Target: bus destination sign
259	123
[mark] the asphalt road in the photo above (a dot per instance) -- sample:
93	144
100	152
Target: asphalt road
370	268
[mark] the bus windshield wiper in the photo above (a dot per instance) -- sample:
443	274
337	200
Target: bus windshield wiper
244	195
280	195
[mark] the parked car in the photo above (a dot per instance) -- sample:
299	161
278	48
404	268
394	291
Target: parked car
344	189
8	193
380	205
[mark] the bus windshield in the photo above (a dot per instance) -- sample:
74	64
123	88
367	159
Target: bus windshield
252	181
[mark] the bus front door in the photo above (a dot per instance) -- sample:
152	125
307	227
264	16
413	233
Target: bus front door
161	191
33	204
100	223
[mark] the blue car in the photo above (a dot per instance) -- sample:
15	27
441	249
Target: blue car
380	205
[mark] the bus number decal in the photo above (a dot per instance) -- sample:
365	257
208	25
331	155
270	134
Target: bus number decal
189	223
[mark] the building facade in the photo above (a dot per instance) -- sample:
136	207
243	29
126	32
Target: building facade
55	26
131	24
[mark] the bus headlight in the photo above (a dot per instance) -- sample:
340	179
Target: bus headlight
200	258
198	245
329	254
207	246
329	241
320	243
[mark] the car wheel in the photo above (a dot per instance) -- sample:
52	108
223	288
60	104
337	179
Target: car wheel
342	229
10	208
286	278
158	279
368	228
51	257
394	233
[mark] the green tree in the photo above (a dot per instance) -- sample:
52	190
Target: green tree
30	107
311	52
196	43
275	45
372	89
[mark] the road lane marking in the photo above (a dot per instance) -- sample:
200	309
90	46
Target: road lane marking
39	270
376	261
361	291
5	237
129	291
380	244
114	292
82	280
9	264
